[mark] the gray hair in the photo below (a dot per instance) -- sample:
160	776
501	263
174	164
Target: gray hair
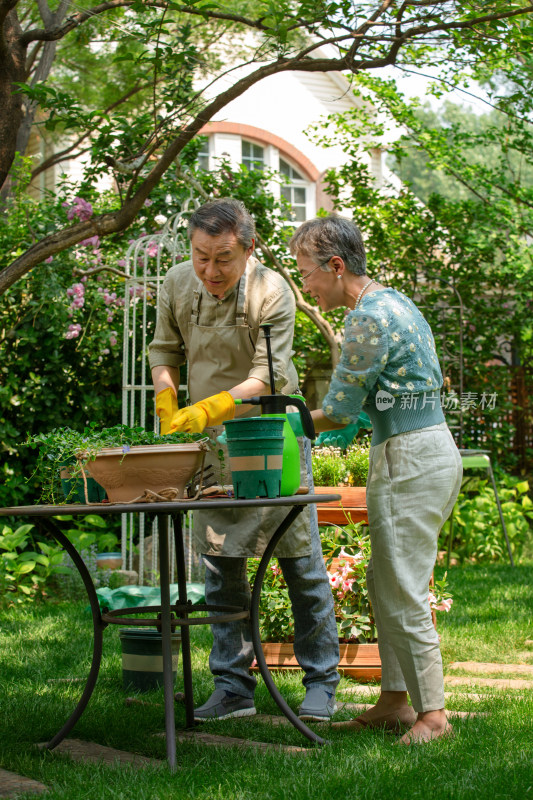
222	216
324	237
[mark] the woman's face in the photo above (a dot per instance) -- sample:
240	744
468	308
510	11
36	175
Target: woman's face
322	286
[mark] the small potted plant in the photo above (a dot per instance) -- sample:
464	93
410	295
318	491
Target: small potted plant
111	456
346	471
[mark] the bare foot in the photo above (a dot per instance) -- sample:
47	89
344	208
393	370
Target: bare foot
391	712
428	726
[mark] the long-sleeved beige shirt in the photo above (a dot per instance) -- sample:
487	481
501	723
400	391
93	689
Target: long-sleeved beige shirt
268	299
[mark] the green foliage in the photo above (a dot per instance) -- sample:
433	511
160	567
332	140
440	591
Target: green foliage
335	467
477	530
91	531
277	623
24	572
346	564
65	446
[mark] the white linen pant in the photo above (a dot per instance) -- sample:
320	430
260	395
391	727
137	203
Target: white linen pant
413	481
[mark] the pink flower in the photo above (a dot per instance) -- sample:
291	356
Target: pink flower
445	605
335	580
109	297
76	290
92	241
73	331
80	208
48	260
112	340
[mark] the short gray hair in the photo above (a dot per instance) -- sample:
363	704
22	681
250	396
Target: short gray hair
223	215
324	237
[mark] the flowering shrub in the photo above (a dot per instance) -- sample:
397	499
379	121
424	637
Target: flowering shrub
347	553
347	577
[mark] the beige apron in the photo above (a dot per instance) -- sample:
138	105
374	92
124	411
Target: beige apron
221	357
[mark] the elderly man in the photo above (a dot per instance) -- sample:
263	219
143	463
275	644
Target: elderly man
209	315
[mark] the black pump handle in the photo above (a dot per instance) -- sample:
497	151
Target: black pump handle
277	404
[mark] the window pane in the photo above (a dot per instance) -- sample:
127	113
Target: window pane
298	195
298	213
286	193
252	155
284	168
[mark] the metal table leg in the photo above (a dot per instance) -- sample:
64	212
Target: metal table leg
184	629
98	627
166	640
256	636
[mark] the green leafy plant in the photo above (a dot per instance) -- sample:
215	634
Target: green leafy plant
64	446
335	467
277	623
477	530
24	572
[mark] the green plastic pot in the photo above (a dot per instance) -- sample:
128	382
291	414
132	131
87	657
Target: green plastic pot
74	489
255	448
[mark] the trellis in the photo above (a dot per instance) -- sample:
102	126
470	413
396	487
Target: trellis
148	259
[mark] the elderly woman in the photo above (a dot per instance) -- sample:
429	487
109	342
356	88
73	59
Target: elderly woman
389	368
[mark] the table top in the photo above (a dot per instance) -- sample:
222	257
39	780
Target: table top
165	507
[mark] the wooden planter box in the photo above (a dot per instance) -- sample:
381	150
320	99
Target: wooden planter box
351	506
359	661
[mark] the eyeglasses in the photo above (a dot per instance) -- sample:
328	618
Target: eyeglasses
305	276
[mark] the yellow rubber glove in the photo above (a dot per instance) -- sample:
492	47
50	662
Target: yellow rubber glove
166	408
211	411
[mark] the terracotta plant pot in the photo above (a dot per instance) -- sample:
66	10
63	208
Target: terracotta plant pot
126	476
351	506
360	661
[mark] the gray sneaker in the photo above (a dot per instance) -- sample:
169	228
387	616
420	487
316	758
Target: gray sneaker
319	705
223	704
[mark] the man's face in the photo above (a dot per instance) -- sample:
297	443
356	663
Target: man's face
219	261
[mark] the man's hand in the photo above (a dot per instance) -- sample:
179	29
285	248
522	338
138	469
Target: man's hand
211	411
166	408
343	437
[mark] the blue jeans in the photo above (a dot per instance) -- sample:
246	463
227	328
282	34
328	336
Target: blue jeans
316	643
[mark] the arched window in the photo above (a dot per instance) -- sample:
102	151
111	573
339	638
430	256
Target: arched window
294	190
252	155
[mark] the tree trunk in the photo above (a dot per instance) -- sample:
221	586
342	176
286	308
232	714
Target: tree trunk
12	71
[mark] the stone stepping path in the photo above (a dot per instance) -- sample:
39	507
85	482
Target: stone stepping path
232	741
79	750
496	683
477	666
13	785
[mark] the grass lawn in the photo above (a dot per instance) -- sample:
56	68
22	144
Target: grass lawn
490	757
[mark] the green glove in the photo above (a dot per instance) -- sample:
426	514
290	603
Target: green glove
343	437
295	421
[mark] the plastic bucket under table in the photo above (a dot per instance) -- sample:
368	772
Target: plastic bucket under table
255	448
142	658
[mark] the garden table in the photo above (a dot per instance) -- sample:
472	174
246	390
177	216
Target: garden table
165	620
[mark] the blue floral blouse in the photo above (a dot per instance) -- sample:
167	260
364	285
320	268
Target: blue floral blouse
389	346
